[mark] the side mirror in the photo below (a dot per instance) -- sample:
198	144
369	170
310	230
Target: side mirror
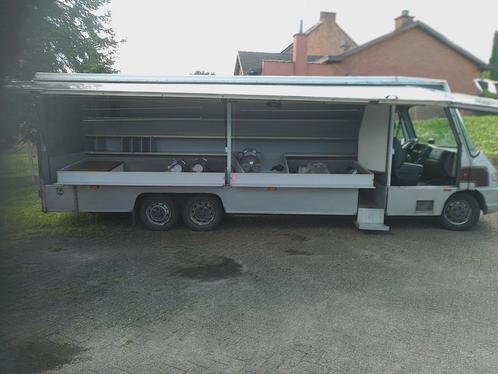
431	141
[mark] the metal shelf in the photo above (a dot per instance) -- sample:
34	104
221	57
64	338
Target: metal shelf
149	119
157	153
234	120
154	136
337	138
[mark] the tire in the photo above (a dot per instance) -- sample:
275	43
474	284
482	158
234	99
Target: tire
158	212
202	212
461	212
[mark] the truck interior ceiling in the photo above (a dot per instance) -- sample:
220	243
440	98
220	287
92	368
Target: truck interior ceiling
425	147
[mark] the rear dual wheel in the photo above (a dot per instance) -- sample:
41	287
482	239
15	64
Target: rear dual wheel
202	212
199	212
159	212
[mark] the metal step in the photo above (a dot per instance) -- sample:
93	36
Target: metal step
371	219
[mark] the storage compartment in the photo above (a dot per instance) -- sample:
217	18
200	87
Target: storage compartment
278	128
212	164
145	171
57	198
156	142
342	174
96	165
143	142
322	165
282	137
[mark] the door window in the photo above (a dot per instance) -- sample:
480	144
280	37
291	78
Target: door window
432	126
399	129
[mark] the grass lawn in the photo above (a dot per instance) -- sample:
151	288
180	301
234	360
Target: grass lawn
21	207
22	217
483	131
16	165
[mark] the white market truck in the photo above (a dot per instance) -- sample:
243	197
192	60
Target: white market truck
196	148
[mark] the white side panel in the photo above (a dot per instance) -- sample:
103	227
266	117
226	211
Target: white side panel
373	137
132	178
402	200
302	180
291	201
235	200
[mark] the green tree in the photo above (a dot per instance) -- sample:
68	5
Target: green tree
494	59
49	36
63	36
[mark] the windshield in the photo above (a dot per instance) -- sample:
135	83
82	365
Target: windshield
474	151
481	132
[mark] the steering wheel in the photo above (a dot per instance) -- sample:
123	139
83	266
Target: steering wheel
409	145
409	148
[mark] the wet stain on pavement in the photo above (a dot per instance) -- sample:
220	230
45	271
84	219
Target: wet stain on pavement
36	356
298	238
296	252
222	268
57	249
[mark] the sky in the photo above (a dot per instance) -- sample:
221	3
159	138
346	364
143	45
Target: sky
179	37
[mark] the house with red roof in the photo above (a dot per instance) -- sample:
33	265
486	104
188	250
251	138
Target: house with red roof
413	49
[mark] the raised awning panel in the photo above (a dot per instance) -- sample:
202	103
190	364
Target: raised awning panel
477	103
360	94
257	80
347	93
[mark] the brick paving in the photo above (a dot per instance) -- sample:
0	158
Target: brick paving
259	295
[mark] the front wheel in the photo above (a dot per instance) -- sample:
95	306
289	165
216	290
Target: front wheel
202	212
461	212
158	212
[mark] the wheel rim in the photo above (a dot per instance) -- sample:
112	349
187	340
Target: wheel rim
202	212
458	212
158	213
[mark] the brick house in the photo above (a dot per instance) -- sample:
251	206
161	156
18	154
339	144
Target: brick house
411	49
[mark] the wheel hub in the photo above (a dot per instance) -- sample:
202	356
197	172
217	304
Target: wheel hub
458	212
158	213
202	212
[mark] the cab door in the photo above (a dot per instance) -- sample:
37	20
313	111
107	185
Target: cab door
430	146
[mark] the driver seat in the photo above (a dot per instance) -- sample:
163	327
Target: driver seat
404	173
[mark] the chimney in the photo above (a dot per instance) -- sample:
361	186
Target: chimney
300	52
327	17
403	20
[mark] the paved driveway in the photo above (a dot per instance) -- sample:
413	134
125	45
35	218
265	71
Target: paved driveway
261	294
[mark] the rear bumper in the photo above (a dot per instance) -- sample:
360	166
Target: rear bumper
490	199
